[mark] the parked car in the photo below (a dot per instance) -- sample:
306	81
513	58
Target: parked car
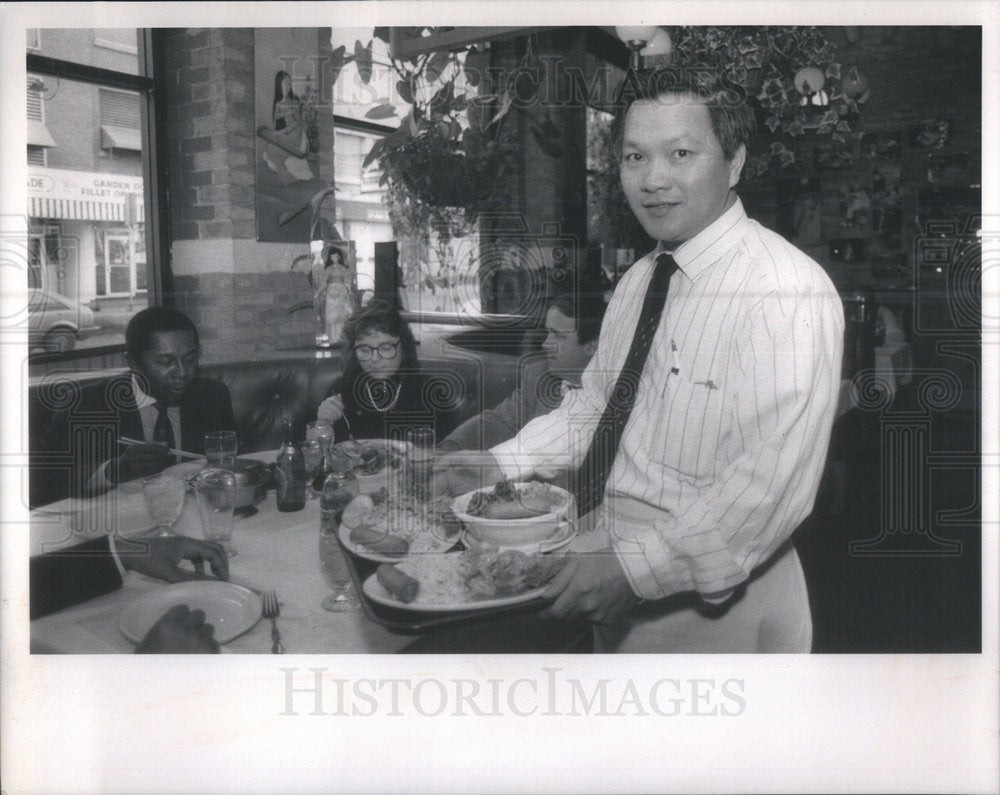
56	322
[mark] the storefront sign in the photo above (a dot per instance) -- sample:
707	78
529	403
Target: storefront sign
84	195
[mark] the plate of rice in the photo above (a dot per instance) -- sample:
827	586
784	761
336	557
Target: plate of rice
471	580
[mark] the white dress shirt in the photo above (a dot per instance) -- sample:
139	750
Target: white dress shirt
146	404
728	437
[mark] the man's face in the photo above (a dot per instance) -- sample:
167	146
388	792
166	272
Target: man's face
169	364
567	357
674	174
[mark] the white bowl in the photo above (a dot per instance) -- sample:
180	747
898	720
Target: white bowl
513	532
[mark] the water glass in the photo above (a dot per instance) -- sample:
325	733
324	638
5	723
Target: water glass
216	493
321	432
220	449
420	462
164	495
313	457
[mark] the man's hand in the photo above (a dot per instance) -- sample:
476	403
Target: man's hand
330	410
180	631
459	473
141	460
592	585
161	557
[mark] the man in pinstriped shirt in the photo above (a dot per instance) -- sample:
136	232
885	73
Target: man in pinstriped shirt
721	457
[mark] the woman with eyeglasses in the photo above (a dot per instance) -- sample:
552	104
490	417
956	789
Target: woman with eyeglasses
381	391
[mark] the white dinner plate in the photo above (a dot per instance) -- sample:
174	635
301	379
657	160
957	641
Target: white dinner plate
375	591
231	609
436	546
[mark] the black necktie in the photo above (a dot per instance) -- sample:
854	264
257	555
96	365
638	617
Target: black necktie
593	473
163	431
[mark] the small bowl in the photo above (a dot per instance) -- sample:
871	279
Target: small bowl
252	479
513	532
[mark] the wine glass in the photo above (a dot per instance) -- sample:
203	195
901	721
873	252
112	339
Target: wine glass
312	455
164	495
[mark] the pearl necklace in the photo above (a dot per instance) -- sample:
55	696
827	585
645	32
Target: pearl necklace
392	403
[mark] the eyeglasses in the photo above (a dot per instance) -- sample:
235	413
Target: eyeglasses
386	350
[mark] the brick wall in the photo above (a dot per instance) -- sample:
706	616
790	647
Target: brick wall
237	290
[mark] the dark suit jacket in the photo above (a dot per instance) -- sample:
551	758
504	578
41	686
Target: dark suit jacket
81	438
69	576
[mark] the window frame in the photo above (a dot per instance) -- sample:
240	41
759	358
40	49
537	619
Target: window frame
153	166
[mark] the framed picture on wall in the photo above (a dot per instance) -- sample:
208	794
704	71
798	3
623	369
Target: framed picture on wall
881	145
931	134
847	250
288	103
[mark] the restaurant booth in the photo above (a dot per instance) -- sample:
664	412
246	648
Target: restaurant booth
887	204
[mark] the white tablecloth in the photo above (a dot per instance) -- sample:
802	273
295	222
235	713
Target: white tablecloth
274	550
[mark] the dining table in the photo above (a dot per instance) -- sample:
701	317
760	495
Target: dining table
274	551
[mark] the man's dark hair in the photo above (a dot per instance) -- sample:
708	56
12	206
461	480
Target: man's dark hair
586	308
733	119
143	325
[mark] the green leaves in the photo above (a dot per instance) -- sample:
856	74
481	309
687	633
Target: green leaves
363	59
381	111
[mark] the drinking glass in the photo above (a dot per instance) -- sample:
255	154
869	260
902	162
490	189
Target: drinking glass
419	462
313	456
336	573
220	449
215	489
164	495
323	433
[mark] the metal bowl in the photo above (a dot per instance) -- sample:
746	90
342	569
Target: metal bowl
252	479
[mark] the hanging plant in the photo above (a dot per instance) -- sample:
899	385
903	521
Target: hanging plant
454	142
764	61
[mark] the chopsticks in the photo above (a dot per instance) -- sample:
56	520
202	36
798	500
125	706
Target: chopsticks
124	440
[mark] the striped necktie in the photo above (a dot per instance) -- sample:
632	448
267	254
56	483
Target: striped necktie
593	473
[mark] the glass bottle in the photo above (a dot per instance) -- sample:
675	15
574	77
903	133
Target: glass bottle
290	474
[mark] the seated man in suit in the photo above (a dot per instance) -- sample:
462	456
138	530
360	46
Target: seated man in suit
572	324
160	402
67	577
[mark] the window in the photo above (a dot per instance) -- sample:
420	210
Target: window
120	120
88	247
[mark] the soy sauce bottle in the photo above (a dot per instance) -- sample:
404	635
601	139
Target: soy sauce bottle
290	474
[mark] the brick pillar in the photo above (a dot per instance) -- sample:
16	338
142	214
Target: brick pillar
237	290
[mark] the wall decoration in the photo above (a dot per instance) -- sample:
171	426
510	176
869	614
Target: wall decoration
286	126
886	180
881	146
950	168
834	156
847	250
931	134
893	268
855	207
887	224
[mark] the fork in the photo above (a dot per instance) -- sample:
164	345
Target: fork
272	610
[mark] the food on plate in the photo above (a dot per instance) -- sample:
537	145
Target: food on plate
369	458
384	543
400	585
474	575
509	500
395	524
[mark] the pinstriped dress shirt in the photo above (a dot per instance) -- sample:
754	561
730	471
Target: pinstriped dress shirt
729	433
